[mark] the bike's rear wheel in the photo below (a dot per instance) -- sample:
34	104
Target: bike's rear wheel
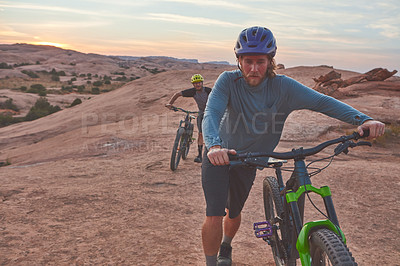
326	248
176	149
273	208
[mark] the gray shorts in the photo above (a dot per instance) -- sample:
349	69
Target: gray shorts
225	187
200	121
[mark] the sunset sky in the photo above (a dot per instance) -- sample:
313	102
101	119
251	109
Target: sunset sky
356	35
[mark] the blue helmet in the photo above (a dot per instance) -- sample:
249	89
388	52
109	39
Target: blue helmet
256	40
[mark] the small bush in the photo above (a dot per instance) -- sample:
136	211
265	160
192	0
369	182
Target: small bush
31	74
41	108
5	66
67	89
98	83
8	104
8	119
95	90
37	88
81	88
76	102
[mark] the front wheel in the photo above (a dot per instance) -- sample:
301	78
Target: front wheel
176	150
326	248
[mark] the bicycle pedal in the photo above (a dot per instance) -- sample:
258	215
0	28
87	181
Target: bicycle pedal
262	229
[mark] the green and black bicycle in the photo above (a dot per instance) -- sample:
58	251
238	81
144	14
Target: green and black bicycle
183	139
315	243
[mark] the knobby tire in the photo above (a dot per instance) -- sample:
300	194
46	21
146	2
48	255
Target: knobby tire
176	150
273	207
326	248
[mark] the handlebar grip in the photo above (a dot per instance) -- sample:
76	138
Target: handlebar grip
358	136
233	157
366	133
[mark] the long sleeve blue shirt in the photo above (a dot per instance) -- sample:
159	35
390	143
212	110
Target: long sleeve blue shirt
246	118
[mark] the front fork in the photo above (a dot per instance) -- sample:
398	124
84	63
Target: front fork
303	231
295	203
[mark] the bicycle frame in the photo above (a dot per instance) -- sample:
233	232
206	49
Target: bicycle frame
293	197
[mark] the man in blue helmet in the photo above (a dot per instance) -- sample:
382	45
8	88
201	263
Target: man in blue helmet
245	112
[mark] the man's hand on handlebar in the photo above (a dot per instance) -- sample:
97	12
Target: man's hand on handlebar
169	106
376	128
219	156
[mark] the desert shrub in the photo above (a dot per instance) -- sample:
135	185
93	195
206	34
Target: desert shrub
67	88
36	88
123	78
95	90
81	88
98	83
107	82
76	102
7	119
41	108
55	77
119	73
22	64
31	74
392	135
58	73
8	104
5	66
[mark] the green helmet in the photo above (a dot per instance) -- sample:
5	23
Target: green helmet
196	78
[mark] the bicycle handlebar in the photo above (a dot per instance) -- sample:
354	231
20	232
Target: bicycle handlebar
174	108
301	153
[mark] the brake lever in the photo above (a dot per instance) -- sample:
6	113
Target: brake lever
363	143
343	147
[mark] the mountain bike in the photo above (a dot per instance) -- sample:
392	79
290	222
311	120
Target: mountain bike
183	138
319	242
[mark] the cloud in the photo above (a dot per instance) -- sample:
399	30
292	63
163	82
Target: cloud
6	31
49	8
188	20
63	24
390	27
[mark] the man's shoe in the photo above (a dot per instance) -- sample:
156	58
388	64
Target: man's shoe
197	159
225	255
